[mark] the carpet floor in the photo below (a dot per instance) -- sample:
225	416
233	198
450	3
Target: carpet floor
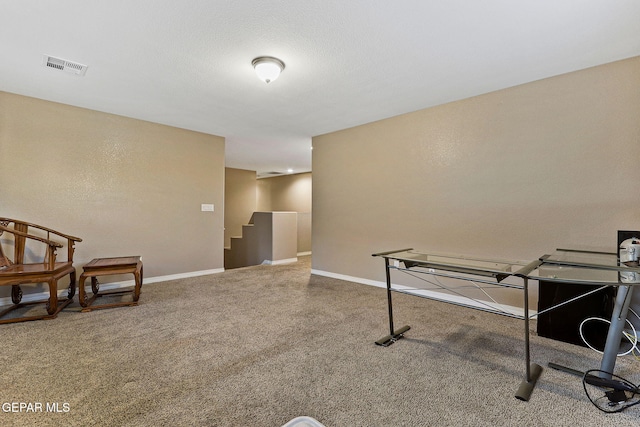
259	346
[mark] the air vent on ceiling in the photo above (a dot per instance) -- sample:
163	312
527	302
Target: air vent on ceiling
64	65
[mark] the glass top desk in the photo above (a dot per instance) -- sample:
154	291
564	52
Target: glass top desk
566	266
489	273
499	269
600	269
573	266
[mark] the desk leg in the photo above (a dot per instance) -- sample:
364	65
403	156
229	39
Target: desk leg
533	371
393	335
614	336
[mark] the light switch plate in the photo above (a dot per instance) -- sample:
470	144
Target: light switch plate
206	207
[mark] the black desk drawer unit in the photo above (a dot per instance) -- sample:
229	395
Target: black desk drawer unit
563	323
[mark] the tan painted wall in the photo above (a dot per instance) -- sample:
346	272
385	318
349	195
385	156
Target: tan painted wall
285	236
285	193
239	201
124	186
263	194
510	174
289	193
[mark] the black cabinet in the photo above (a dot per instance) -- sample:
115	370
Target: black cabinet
563	323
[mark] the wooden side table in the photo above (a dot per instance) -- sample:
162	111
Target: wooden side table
110	266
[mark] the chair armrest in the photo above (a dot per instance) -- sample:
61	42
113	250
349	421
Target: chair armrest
30	236
52	246
40	227
21	229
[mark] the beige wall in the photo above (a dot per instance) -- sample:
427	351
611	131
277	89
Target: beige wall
244	194
285	193
239	201
125	186
511	174
289	193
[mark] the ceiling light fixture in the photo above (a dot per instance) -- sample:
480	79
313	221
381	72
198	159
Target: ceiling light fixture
267	68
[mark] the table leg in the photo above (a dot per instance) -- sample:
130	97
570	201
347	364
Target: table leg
138	279
393	335
72	285
52	304
16	294
533	371
81	291
95	286
614	336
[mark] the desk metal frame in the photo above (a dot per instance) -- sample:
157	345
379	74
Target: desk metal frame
493	272
620	309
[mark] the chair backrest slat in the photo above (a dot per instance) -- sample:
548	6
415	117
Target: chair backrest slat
18	257
4	261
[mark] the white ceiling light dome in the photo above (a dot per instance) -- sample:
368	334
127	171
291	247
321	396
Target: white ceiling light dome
267	68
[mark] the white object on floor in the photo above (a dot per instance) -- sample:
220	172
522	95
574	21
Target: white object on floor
303	422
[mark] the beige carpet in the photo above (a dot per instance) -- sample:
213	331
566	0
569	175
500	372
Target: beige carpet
262	345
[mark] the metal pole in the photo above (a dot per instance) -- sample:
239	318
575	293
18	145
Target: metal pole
614	336
386	267
393	335
526	329
533	371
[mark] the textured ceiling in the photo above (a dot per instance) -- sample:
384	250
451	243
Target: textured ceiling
188	63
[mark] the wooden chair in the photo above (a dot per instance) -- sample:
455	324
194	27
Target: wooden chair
18	271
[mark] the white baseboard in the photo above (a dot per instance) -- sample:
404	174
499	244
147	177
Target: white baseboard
304	253
38	296
279	261
440	296
349	278
62	293
182	275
